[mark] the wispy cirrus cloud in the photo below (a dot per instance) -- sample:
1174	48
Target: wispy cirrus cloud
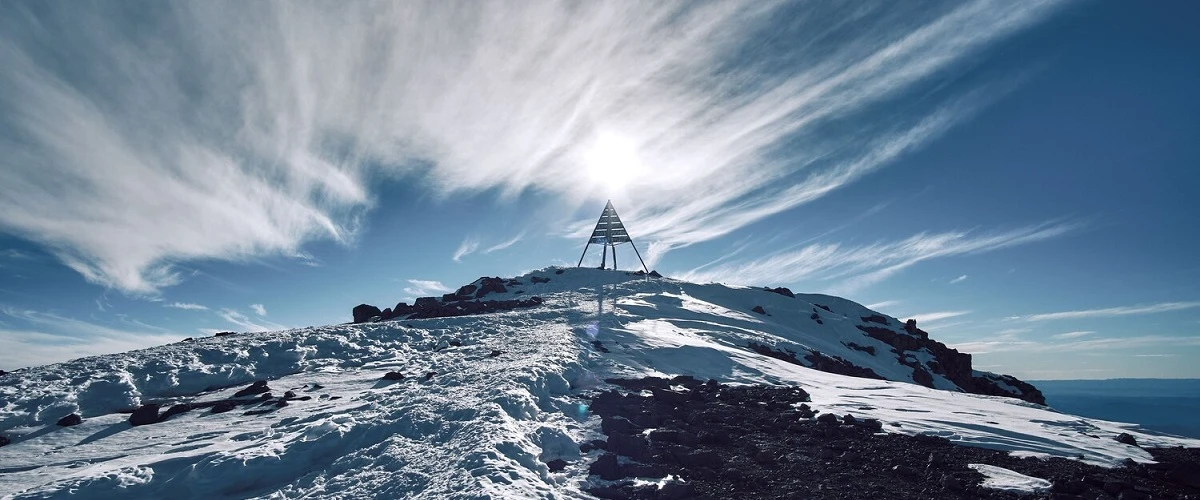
425	288
246	323
880	305
250	129
505	244
259	309
1113	311
51	338
959	279
1071	335
188	306
468	246
1075	344
844	269
937	316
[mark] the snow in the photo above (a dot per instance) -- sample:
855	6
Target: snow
482	426
999	478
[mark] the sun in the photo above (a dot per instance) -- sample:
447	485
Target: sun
613	161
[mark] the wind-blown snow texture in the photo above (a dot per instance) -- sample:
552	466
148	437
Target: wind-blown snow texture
483	425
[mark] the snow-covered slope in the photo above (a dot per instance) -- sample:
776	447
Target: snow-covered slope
486	423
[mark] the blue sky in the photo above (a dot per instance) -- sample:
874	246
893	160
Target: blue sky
1019	176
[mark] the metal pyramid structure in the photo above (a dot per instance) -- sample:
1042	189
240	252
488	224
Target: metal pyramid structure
610	232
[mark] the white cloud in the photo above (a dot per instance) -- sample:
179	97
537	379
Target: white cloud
959	279
52	338
467	247
259	309
880	305
247	324
253	129
504	244
847	269
1114	311
1071	335
425	288
1073	346
937	316
186	305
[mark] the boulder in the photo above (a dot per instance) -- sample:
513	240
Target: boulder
827	418
430	375
175	410
4	441
3	373
223	406
606	467
258	387
146	414
70	420
654	274
910	326
188	339
875	318
537	279
782	291
364	312
289	395
759	310
393	376
488	285
556	465
560	271
635	447
1126	438
386	314
495	353
224	334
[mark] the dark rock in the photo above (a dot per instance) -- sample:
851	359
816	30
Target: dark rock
654	274
827	418
289	395
639	470
814	316
826	308
146	414
224	334
609	493
495	353
875	318
606	467
632	446
599	346
922	377
676	491
586	447
364	312
70	420
1125	438
782	291
430	375
701	459
849	419
175	410
455	343
560	271
258	387
3	373
910	326
281	403
223	406
489	285
265	396
393	376
618	425
386	314
4	440
537	279
556	465
189	339
759	310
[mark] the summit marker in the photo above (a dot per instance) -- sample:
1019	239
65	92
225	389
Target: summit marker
610	232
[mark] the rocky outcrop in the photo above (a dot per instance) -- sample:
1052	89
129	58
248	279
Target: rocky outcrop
680	438
953	365
364	312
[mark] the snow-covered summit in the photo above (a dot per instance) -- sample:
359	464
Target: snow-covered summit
487	400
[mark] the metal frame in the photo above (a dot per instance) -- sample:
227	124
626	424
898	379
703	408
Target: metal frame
607	239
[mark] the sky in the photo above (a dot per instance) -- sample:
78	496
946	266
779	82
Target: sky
1020	177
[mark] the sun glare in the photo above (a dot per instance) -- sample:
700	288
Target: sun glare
613	162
